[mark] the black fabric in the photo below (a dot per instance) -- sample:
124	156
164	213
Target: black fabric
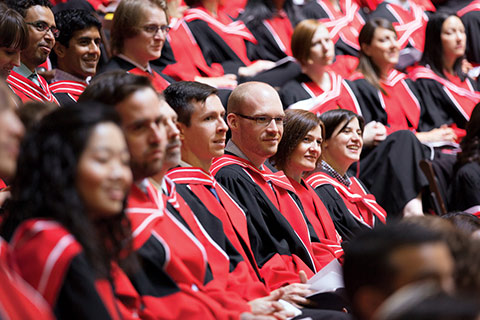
293	91
471	21
64	99
465	187
270	233
78	297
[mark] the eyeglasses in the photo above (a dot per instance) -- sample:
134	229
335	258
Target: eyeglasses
263	120
152	29
42	26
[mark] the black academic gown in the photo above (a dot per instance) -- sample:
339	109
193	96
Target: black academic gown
465	186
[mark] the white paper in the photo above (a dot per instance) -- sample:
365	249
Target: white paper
328	279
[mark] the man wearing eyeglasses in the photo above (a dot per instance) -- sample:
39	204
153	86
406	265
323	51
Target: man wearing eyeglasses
24	80
76	53
255	117
138	34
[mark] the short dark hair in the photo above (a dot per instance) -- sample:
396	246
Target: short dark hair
367	256
113	87
13	29
433	50
181	95
71	20
296	126
333	118
21	6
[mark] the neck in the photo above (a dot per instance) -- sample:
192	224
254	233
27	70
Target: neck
341	169
129	53
194	161
255	160
30	66
448	65
212	7
385	71
319	76
297	175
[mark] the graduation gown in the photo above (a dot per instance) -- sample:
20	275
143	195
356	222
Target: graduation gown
166	244
353	209
398	108
67	91
18	300
343	26
447	101
159	80
463	190
52	262
470	16
27	90
303	93
279	232
409	24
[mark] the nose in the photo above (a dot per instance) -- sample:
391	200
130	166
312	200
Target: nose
315	147
172	130
160	35
94	48
16	59
157	132
222	126
49	35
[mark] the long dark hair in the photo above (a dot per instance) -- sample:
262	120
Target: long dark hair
366	65
256	11
44	184
433	50
13	29
470	144
297	125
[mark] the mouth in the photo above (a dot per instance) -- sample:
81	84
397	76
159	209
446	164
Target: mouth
45	48
354	147
116	193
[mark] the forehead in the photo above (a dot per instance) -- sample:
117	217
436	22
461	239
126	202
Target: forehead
89	32
381	32
452	22
154	15
143	104
263	101
166	110
212	103
320	33
40	13
315	132
106	135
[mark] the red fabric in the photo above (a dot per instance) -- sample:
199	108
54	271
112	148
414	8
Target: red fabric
27	90
2	184
189	56
234	33
282	30
473	6
344	65
158	82
361	204
411	25
73	88
17	299
345	23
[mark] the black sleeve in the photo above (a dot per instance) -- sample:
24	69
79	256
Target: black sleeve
471	21
78	297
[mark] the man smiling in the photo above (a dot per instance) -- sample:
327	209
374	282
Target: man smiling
76	53
42	31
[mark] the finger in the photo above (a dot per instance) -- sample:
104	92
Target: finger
303	276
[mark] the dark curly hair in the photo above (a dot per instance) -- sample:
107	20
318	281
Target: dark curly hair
44	184
69	21
21	6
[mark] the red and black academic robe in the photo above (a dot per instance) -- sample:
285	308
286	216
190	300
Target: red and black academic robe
303	93
18	300
398	108
343	26
66	91
318	216
203	193
409	24
470	16
159	80
463	190
352	209
447	101
52	262
279	232
27	90
165	243
426	5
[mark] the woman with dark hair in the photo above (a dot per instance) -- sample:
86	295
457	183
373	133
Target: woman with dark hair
447	93
296	156
14	39
320	87
465	186
349	203
65	221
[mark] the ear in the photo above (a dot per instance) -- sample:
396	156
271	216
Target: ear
232	121
366	49
181	127
60	50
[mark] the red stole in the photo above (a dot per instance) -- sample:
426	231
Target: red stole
158	82
345	24
27	90
188	55
276	186
410	25
473	6
361	205
227	210
461	94
281	30
338	97
234	33
73	88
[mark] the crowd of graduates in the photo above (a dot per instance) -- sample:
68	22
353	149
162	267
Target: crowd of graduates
206	159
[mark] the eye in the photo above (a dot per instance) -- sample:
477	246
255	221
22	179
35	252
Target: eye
261	119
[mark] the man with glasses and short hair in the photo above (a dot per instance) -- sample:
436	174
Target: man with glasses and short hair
137	37
277	228
24	80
